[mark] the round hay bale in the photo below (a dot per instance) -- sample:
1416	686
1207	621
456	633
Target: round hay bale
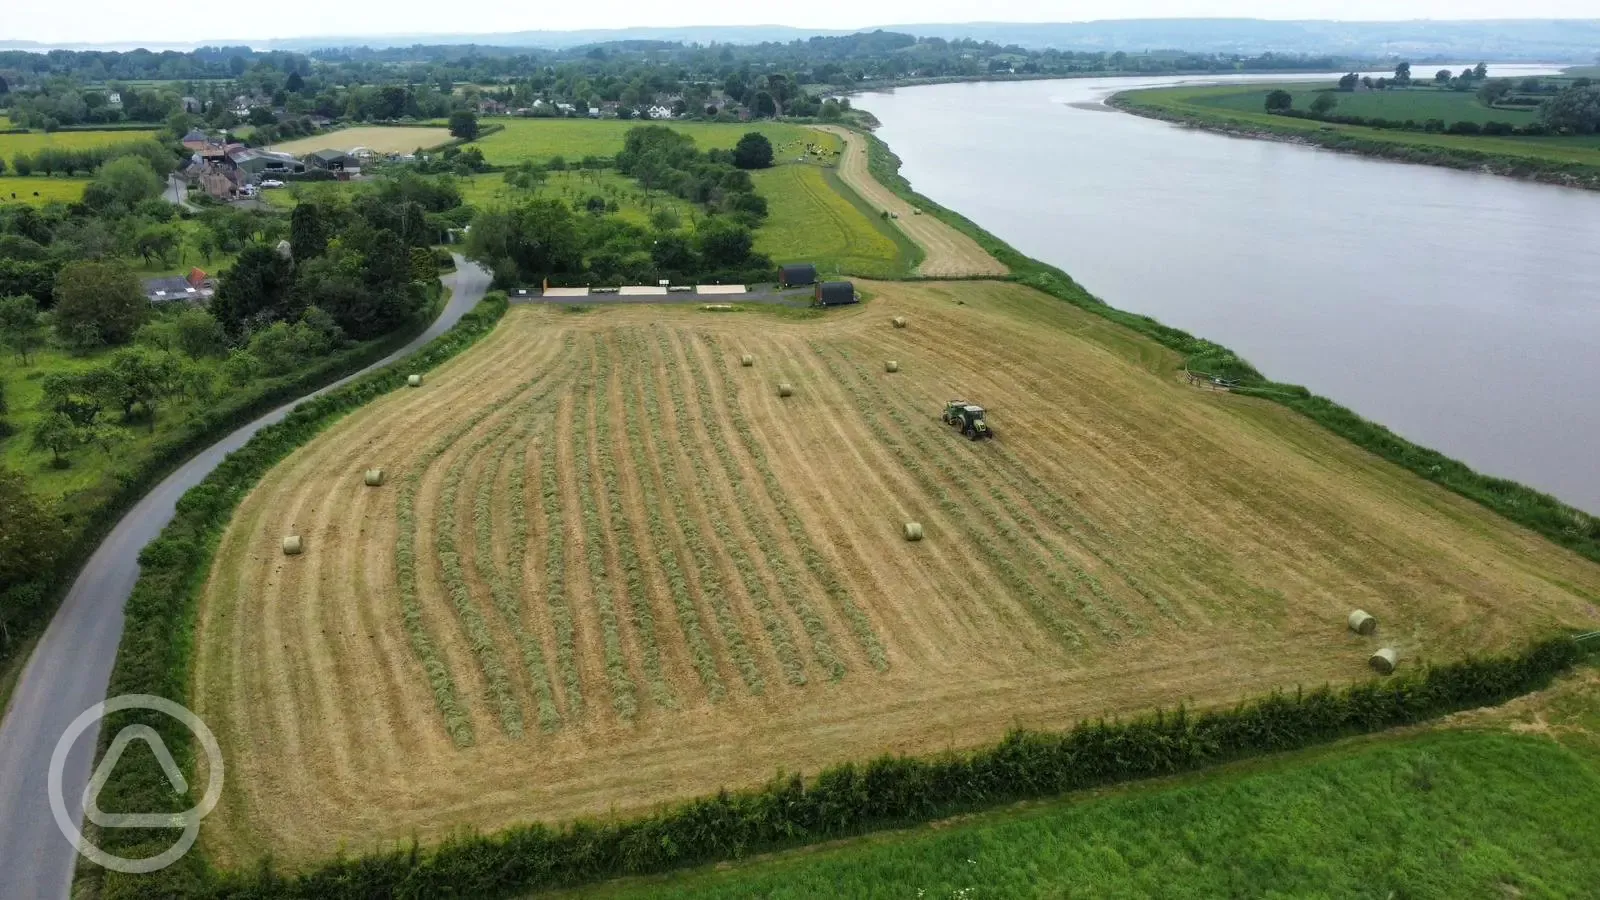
374	477
899	321
414	380
913	531
747	360
785	389
1384	660
1362	622
892	365
292	545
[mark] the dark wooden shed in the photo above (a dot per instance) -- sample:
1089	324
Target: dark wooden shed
834	293
797	274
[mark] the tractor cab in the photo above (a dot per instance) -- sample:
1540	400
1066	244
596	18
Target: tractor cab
968	418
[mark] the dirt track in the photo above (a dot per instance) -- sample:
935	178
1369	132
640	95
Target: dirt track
949	253
713	586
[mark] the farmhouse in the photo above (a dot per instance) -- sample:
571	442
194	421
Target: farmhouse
834	293
797	275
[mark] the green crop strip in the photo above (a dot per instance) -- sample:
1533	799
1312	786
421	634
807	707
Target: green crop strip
860	625
644	620
1043	611
777	631
700	651
623	699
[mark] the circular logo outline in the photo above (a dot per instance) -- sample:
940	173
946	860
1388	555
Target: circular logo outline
188	820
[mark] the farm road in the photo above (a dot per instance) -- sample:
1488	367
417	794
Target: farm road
71	667
949	253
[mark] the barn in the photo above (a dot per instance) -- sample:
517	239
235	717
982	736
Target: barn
834	293
797	274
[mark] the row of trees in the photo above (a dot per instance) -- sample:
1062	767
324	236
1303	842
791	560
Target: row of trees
661	158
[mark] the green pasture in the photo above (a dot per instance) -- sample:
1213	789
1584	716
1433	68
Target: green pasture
38	190
1204	103
814	217
34	141
1451	814
1419	104
540	139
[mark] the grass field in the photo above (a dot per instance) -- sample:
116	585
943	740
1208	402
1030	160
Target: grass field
813	217
38	190
377	138
540	139
1419	104
1203	102
612	568
32	142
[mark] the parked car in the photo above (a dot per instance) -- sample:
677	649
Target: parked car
272	183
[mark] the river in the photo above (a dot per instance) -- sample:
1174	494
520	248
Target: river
1461	310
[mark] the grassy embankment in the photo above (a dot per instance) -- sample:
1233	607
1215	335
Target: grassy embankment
1239	109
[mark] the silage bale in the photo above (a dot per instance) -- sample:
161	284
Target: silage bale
785	389
292	545
414	380
374	477
747	360
1362	622
913	531
892	365
1384	660
899	321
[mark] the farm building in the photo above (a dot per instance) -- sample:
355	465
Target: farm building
797	274
332	160
263	162
834	293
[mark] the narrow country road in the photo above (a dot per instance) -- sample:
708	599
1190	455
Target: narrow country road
71	667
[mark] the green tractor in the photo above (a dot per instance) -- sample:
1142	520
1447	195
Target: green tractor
968	418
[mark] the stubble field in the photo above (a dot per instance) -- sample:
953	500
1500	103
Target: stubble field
612	568
377	138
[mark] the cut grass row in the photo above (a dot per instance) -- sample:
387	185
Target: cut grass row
620	528
624	699
777	630
824	574
816	629
709	580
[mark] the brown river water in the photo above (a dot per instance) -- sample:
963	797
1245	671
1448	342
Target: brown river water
1461	310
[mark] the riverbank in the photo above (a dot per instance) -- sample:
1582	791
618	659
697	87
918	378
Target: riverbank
1534	162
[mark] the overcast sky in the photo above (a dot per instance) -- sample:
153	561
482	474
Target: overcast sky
177	21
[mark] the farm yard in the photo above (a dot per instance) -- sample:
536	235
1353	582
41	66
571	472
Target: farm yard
377	138
540	139
609	566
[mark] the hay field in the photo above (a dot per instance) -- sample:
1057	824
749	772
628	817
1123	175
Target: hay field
540	139
612	568
377	138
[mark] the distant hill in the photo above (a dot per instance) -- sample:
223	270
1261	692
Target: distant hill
1544	40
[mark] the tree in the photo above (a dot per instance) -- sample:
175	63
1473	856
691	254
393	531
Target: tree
1324	104
464	124
141	378
308	231
1441	77
20	327
1575	110
753	151
254	291
1402	74
1349	81
98	303
295	83
31	537
723	243
1279	100
1480	71
126	180
1493	91
156	243
57	433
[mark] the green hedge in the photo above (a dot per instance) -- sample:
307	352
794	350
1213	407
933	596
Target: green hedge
92	513
155	654
1570	527
892	790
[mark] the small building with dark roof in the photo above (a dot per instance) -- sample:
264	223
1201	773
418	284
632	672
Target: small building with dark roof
797	274
332	160
834	293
